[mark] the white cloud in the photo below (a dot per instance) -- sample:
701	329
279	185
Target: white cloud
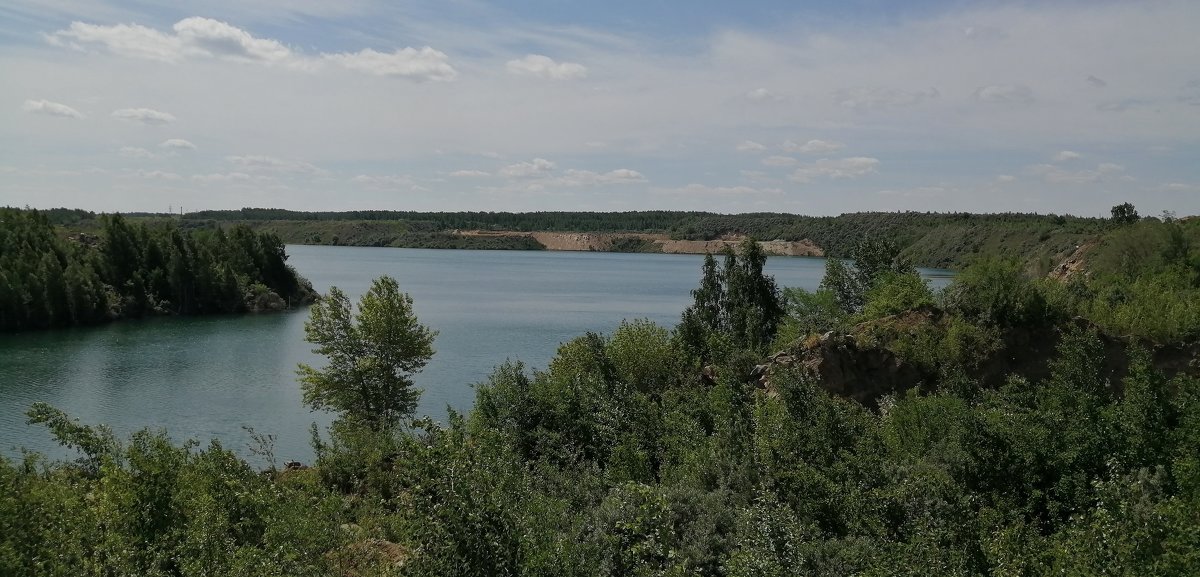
177	144
1005	178
198	37
1004	94
1066	155
50	108
813	147
136	152
425	64
216	38
763	95
750	146
129	40
194	36
588	178
779	161
539	167
469	174
852	167
258	163
147	116
546	67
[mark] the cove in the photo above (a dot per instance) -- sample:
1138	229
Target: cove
206	377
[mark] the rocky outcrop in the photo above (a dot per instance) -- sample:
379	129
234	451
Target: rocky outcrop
1073	264
865	373
843	368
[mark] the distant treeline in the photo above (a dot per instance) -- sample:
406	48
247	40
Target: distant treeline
948	240
49	278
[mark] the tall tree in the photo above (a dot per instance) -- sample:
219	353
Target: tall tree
372	355
737	307
1124	213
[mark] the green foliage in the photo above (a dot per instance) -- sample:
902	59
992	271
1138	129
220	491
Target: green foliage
372	356
1143	280
643	356
736	307
850	284
617	460
1124	213
133	269
153	508
997	292
946	240
895	293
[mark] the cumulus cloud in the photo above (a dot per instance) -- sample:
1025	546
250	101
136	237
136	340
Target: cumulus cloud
50	109
813	147
852	167
539	167
763	95
216	38
588	178
411	63
546	67
177	144
258	163
1004	94
1066	155
750	146
208	38
469	174
147	116
878	97
129	40
779	161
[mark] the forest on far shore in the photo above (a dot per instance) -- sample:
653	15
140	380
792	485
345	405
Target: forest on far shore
938	240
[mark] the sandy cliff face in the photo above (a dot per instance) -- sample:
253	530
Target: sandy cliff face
594	241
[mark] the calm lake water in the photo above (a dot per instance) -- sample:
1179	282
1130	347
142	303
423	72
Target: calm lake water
206	378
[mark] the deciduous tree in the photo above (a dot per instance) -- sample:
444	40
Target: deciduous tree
372	355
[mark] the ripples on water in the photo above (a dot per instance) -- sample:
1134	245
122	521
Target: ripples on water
204	378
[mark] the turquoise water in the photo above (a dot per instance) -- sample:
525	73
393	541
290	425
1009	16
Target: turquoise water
206	378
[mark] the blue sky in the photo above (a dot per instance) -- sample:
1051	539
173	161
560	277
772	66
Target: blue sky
807	107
